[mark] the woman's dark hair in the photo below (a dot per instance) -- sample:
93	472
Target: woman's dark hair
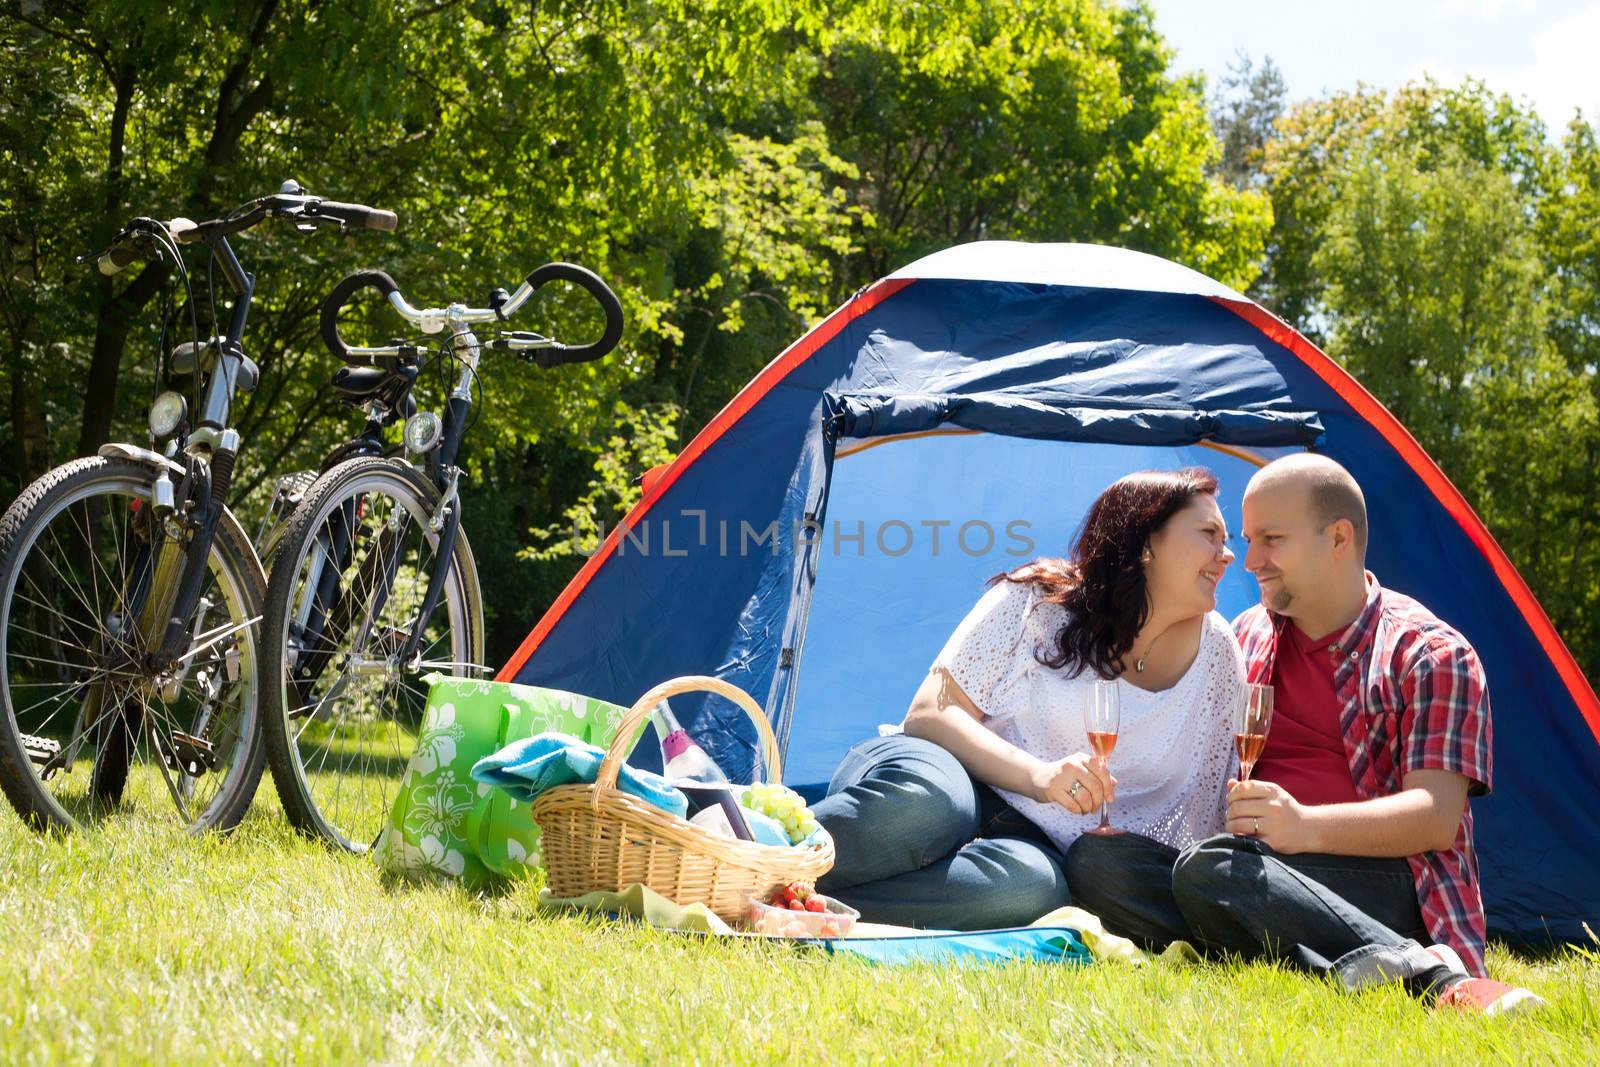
1103	585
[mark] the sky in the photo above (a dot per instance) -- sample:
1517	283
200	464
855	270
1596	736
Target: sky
1544	52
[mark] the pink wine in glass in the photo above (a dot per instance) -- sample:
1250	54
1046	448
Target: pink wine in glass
1251	721
1249	747
1102	743
1102	718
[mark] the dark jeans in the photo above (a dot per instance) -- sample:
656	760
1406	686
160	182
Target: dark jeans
1350	917
919	843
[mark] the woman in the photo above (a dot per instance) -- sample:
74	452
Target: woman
960	821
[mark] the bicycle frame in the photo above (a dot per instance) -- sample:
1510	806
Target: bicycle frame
325	604
211	450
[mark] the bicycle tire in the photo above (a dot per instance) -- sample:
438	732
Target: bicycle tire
306	804
232	562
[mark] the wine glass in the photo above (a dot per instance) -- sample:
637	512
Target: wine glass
1102	717
1251	721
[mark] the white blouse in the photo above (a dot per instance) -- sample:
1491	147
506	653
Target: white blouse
1174	751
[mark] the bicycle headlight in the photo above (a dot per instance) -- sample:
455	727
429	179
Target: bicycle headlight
167	413
422	432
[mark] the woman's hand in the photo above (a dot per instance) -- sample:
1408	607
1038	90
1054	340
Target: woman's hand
1053	783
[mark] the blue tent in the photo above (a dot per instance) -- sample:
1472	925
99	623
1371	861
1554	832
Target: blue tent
818	540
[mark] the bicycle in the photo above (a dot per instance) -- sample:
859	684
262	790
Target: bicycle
131	594
374	583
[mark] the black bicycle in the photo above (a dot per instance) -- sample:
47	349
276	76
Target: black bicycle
373	584
129	593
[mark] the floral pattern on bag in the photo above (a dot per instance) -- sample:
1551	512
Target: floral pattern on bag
436	747
427	835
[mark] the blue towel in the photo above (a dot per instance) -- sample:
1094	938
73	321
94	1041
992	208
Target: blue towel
528	767
765	829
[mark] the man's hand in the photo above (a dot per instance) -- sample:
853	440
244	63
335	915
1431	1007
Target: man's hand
1266	811
1053	783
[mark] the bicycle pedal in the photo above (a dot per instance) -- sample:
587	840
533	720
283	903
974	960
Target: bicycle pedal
191	755
40	750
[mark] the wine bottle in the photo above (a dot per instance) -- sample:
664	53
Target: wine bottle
681	757
694	772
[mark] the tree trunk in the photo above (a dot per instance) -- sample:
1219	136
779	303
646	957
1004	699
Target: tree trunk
111	325
31	434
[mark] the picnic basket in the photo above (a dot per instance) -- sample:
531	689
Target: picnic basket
599	838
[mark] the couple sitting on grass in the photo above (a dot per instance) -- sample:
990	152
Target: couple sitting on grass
1349	853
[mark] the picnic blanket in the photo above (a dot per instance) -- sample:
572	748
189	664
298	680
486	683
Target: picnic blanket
1066	935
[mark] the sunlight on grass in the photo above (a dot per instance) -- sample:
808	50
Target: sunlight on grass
133	943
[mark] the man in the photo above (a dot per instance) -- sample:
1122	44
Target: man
1350	851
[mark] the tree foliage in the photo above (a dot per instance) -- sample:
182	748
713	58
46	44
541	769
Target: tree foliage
734	167
1443	248
1248	101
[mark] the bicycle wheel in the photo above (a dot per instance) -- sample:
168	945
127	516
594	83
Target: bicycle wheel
342	711
87	576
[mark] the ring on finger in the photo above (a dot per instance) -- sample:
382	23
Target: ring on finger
1256	827
1073	792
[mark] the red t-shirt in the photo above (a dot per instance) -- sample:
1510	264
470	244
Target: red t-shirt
1305	748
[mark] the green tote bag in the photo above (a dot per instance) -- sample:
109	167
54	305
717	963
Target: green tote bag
445	826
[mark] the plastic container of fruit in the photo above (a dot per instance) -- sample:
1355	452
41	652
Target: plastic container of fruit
775	920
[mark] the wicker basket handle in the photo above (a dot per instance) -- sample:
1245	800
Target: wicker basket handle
623	742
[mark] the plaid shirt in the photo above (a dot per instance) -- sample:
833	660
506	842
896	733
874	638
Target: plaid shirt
1414	698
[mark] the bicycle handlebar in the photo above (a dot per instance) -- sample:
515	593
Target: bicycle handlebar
433	320
589	282
347	287
359	215
140	236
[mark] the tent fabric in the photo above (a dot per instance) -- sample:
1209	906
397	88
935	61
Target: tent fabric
1085	266
1056	355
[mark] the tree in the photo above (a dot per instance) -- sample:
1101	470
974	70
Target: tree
1321	141
1244	112
1048	120
735	168
1570	244
1442	249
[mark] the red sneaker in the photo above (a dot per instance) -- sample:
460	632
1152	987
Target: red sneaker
1489	997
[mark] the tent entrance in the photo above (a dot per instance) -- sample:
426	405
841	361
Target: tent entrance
914	526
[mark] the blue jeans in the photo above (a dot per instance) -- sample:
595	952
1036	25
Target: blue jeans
919	843
1352	918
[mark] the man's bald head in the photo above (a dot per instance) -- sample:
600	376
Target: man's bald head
1331	493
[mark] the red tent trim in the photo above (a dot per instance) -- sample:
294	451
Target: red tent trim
1390	428
658	483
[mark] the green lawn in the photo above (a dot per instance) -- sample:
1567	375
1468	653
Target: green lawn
131	944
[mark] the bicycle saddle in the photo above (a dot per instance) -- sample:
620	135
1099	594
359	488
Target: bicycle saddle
357	385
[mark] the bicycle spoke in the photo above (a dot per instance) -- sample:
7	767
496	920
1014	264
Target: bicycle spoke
77	590
45	605
161	763
69	690
94	557
52	638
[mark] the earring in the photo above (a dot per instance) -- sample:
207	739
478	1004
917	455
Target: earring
1148	557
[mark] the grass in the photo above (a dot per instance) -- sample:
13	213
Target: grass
130	943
